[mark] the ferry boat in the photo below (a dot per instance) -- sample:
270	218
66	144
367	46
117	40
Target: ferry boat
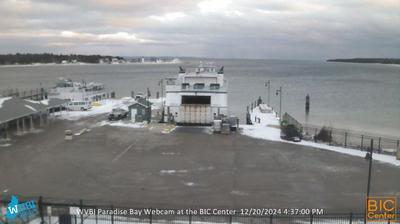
198	97
80	94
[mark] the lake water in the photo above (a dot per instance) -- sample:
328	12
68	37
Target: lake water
364	97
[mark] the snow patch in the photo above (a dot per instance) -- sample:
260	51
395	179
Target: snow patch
173	171
189	184
168	153
31	108
4	99
45	102
33	101
120	123
157	103
105	106
268	129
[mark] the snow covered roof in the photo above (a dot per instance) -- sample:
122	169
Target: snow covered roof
54	102
12	108
141	104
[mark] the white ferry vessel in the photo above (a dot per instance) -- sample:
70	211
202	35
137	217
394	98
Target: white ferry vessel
196	98
80	94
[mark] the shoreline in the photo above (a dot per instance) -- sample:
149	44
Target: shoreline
83	63
366	63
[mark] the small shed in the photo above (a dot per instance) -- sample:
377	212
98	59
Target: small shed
140	111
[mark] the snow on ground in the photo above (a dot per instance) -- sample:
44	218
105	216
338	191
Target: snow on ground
268	129
156	103
105	106
172	171
34	101
45	102
120	123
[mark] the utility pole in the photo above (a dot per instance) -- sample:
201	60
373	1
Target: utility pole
268	84
368	156
279	92
161	83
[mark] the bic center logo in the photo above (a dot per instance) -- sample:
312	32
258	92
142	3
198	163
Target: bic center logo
381	209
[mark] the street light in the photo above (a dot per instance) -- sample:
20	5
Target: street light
279	92
368	156
161	84
268	84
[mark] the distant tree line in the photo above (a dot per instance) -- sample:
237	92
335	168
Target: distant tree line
368	60
10	59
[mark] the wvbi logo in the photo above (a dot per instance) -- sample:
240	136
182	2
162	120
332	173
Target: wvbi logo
381	209
20	210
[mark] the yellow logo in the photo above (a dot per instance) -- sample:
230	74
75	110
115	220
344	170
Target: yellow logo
381	208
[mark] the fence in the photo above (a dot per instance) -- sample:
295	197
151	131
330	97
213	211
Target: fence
356	140
68	213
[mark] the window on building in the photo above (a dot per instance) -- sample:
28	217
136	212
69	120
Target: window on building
214	86
198	86
185	85
196	100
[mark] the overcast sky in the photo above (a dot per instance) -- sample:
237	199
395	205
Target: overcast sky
281	29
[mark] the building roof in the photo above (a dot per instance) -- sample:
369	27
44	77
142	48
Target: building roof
12	108
141	104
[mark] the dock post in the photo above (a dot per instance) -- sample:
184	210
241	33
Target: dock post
379	144
23	124
345	139
307	104
398	150
6	131
32	128
362	142
18	128
41	119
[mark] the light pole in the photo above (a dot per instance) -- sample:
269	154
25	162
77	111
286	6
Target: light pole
268	84
368	156
279	92
161	84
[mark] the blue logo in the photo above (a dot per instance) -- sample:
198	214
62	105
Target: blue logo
20	210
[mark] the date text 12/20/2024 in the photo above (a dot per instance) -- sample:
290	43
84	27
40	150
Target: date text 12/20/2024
281	211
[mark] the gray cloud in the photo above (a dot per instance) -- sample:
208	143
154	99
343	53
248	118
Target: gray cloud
306	29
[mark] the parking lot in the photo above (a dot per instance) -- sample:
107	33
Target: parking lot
160	166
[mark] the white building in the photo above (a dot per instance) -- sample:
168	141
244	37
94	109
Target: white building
79	91
196	97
